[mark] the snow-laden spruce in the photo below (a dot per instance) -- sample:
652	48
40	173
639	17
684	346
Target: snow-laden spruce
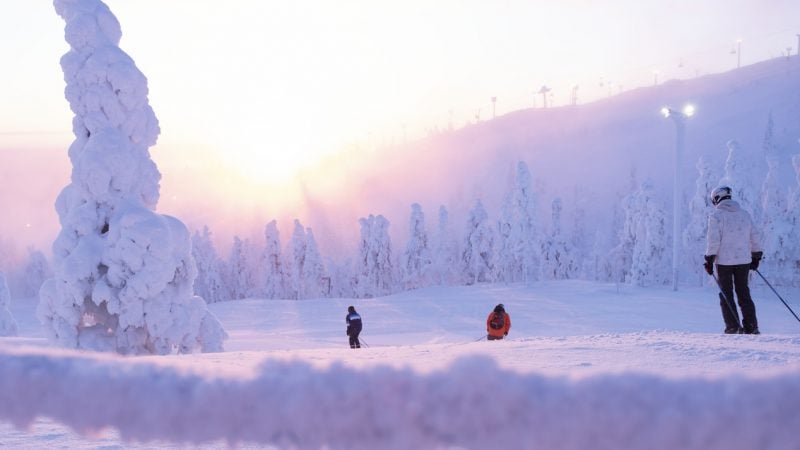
210	283
374	270
416	264
694	235
272	267
8	326
124	275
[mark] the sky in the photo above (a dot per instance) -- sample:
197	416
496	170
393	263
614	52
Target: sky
252	95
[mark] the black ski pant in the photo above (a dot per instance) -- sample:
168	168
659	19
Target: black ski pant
354	342
735	278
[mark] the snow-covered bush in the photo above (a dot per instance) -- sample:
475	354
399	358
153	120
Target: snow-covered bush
124	274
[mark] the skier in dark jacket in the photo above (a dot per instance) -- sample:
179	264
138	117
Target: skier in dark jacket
353	326
734	245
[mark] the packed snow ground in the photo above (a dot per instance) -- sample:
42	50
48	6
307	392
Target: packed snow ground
586	364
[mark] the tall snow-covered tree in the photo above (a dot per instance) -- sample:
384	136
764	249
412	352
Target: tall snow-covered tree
35	272
273	278
124	274
621	256
518	241
342	278
740	177
236	269
651	263
477	258
558	262
314	277
700	207
241	268
776	226
375	271
210	281
444	253
416	260
793	219
8	326
295	259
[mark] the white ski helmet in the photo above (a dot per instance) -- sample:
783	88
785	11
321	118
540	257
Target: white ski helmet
719	194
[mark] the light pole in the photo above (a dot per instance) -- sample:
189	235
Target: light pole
738	53
679	119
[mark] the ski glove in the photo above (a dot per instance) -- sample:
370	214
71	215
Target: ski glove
709	264
755	259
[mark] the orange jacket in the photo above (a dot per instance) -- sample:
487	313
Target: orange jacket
501	332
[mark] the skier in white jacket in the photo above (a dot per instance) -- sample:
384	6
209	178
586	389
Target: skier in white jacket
733	243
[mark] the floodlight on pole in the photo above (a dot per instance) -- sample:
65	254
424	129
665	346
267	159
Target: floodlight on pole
679	118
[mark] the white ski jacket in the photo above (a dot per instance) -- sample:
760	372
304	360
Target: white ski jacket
731	235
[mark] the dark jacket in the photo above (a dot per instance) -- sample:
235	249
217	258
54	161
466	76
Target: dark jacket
353	323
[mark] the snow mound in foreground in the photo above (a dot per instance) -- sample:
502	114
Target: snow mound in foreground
473	404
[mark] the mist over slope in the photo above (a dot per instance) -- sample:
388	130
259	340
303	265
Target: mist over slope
579	153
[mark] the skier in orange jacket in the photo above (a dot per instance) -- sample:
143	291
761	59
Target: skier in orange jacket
498	323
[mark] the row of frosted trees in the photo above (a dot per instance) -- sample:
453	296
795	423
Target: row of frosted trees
510	249
515	247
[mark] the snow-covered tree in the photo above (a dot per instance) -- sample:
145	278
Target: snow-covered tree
776	228
210	281
35	272
444	253
240	277
518	243
558	262
597	266
793	219
416	260
375	272
621	256
651	263
8	326
740	177
314	277
124	274
295	259
272	267
700	207
477	258
342	279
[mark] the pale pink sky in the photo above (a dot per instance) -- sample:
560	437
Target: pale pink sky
252	94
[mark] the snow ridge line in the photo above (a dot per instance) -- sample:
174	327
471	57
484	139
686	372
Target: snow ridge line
473	404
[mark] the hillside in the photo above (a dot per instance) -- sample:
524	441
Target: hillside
580	153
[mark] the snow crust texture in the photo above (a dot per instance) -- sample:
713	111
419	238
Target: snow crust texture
123	274
472	404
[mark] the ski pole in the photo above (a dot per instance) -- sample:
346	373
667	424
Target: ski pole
724	299
779	296
482	337
363	342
